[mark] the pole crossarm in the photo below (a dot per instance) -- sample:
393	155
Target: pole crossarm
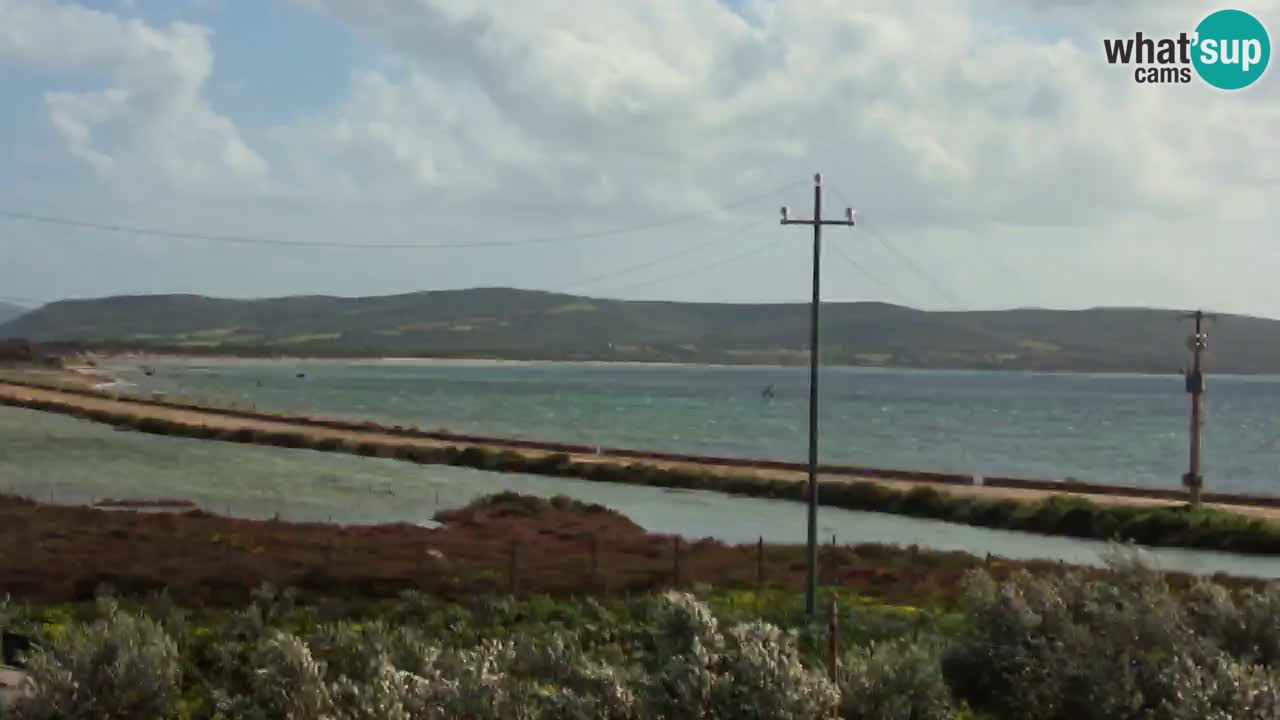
798	221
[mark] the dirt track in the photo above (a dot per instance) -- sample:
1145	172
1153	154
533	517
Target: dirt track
196	418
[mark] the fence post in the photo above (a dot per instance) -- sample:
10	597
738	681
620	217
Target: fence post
675	562
833	642
760	563
595	562
513	573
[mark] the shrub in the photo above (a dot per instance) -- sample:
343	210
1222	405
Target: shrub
551	464
751	671
1217	688
566	683
759	675
327	444
284	680
1121	648
119	666
924	501
387	695
896	680
287	439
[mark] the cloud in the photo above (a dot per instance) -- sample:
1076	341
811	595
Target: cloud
964	119
151	124
942	123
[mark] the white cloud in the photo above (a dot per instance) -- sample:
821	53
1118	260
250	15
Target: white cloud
151	125
966	119
986	119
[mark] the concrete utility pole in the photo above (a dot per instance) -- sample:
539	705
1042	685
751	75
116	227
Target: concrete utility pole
1196	343
811	588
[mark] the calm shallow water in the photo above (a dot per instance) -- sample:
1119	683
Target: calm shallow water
1129	429
54	457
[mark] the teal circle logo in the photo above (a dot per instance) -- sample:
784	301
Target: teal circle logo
1232	49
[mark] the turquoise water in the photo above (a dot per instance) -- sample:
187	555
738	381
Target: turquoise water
60	459
1128	429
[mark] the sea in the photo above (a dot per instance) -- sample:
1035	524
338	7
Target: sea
1108	428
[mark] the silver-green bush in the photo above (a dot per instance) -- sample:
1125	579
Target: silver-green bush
896	680
119	666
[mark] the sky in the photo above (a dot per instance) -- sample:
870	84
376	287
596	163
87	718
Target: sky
629	149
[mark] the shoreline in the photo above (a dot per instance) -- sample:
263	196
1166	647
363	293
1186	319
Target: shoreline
1057	509
424	360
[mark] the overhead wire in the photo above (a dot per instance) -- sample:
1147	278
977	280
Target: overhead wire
928	277
717	239
860	269
753	250
251	240
906	259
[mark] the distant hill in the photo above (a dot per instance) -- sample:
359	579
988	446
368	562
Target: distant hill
9	312
519	324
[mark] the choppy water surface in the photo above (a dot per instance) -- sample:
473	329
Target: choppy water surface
1128	429
52	457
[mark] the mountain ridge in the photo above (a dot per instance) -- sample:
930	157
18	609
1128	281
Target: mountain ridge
514	324
10	312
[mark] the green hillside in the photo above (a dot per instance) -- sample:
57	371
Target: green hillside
9	312
520	324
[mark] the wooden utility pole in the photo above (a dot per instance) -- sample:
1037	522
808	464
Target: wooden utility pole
811	588
1196	343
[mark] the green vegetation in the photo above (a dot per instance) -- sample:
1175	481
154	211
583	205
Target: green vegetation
517	324
1123	645
304	339
574	307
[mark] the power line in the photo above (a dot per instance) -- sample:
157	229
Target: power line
665	258
937	286
865	273
933	282
699	268
248	240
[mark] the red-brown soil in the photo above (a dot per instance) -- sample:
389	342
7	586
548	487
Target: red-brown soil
57	554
